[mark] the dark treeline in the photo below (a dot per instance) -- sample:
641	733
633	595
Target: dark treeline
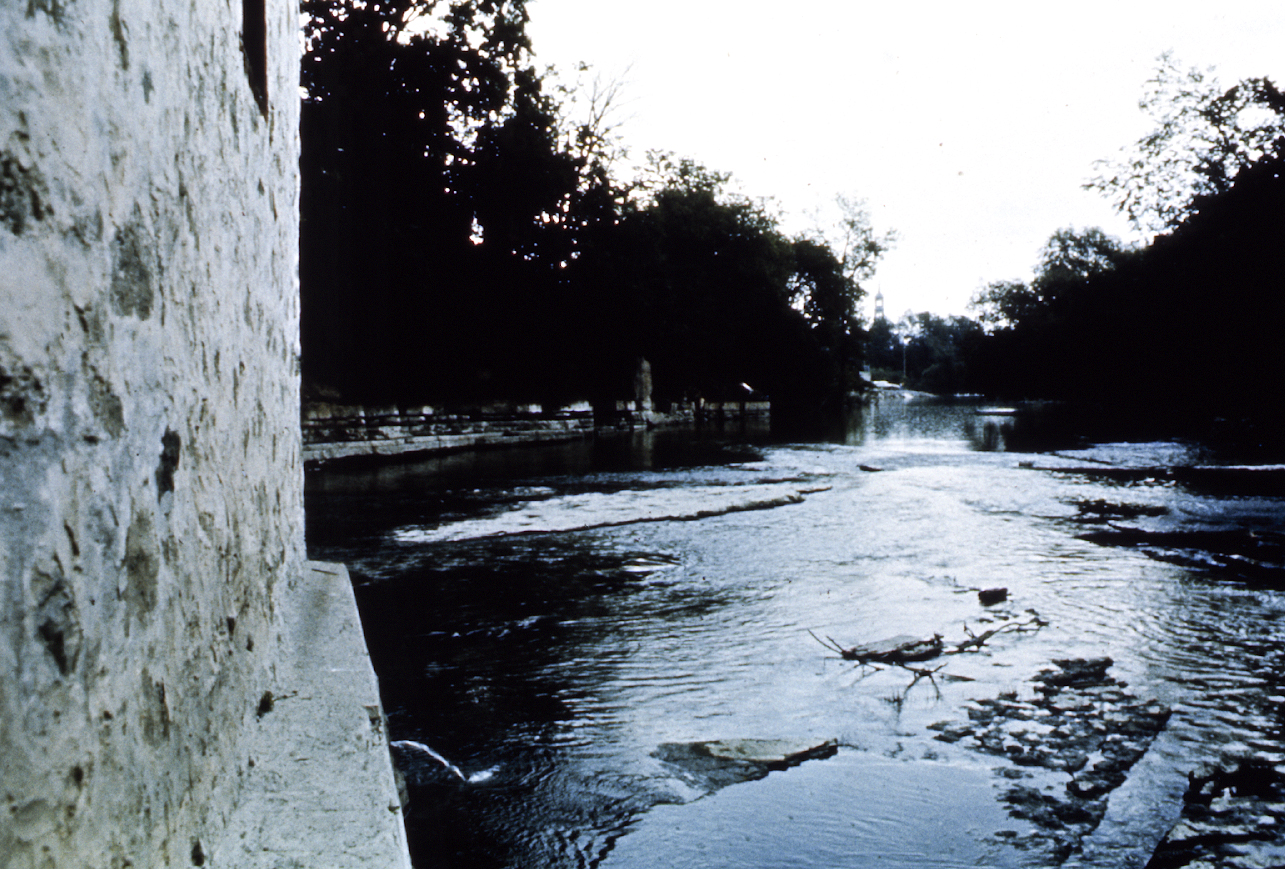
1183	334
463	237
1190	324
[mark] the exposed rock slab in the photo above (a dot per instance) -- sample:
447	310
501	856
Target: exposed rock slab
768	751
1080	723
710	766
1233	816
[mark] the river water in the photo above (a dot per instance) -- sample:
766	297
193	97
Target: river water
558	629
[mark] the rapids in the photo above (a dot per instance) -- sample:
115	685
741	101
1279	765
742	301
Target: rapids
555	616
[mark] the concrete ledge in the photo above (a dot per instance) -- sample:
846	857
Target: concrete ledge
320	452
321	792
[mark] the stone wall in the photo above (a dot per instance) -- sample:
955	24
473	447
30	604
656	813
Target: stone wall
333	431
150	469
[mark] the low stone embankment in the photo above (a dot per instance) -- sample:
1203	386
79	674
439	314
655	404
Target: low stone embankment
319	790
331	431
338	431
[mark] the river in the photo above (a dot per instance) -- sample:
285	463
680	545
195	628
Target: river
561	631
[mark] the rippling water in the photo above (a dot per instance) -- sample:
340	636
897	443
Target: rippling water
544	620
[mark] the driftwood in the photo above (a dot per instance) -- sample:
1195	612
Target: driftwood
976	641
894	650
902	650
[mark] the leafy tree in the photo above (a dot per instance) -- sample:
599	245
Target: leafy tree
589	119
1068	262
1006	303
940	351
883	348
700	281
937	352
852	238
463	237
1204	135
831	262
820	288
1184	332
1073	257
431	183
711	269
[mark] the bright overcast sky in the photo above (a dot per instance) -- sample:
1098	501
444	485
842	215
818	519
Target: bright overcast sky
967	127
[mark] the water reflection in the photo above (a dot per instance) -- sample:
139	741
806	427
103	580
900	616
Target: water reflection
558	663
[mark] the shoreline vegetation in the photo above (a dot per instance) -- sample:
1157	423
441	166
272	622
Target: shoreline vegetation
502	251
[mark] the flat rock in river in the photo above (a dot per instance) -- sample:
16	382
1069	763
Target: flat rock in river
709	766
770	751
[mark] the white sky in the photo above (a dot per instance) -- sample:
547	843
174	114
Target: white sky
967	126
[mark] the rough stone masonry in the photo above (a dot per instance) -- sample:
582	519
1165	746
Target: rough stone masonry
151	511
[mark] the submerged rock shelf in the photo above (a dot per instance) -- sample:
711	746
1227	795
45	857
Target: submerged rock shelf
1231	817
710	766
1080	723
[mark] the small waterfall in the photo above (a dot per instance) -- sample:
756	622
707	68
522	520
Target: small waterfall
421	748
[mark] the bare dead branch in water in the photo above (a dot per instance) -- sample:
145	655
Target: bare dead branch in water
976	641
902	651
920	673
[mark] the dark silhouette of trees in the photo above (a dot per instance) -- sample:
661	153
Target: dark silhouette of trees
431	188
1068	263
1203	137
935	354
463	238
1180	336
715	297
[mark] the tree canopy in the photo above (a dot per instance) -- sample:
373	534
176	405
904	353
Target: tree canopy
1204	136
430	181
1184	332
1069	261
464	238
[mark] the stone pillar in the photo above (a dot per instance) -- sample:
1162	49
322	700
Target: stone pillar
642	386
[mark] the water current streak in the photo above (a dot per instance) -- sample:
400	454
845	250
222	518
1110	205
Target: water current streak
560	627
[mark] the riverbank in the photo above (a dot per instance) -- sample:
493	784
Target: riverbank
346	431
555	625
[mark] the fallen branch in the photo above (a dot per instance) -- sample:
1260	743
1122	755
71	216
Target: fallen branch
921	672
902	650
976	641
897	650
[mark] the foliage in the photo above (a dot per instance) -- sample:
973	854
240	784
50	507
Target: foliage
937	352
589	121
859	247
821	288
431	180
1180	335
709	270
463	237
1068	262
1203	137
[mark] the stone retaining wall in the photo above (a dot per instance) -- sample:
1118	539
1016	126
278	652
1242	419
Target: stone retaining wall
333	431
151	508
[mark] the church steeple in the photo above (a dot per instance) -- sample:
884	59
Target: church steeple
878	306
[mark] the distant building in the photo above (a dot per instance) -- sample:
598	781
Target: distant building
878	306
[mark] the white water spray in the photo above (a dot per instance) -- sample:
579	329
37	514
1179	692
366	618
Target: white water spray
421	748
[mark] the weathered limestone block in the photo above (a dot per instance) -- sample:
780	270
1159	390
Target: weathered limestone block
150	484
